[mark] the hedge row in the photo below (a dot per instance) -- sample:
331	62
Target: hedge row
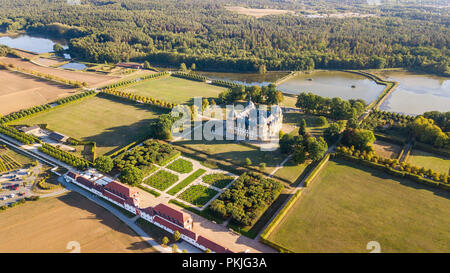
395	172
188	180
188	76
431	149
224	83
128	82
45	107
139	99
316	170
17	135
64	156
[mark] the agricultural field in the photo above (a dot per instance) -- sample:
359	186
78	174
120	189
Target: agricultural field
111	124
49	224
435	162
161	180
198	195
386	149
258	13
235	153
14	156
218	180
92	79
346	206
174	90
181	166
20	91
7	163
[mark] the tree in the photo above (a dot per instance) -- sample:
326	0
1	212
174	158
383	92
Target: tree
322	121
193	66
165	241
132	175
146	65
302	127
207	250
361	139
104	164
248	161
316	147
299	155
58	48
174	248
176	236
183	67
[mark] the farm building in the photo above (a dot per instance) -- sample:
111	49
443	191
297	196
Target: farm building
58	137
130	65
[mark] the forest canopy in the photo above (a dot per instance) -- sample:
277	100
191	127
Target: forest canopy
204	32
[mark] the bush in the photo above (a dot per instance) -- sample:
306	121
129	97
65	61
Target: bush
161	180
181	166
218	180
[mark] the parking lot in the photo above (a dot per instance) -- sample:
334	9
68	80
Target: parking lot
15	185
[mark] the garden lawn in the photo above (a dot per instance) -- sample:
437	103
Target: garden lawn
161	180
291	171
346	206
110	123
218	180
437	163
174	90
197	195
311	123
181	166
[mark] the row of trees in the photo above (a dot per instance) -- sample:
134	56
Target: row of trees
131	81
64	156
426	131
17	135
137	98
190	76
266	94
40	108
336	108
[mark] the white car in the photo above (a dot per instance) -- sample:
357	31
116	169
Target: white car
4	198
12	195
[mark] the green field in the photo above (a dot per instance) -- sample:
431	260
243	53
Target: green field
437	163
175	90
313	128
236	153
291	171
111	124
346	207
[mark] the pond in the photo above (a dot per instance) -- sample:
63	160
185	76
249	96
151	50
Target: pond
32	43
248	79
417	93
74	66
333	84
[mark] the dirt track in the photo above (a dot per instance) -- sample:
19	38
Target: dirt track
49	224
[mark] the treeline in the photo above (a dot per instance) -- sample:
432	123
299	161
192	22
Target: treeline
63	156
136	98
128	82
17	135
40	108
190	76
265	95
335	108
205	33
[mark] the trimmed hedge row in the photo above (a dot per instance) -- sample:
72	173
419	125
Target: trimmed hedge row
319	166
138	99
128	82
223	83
17	135
68	158
153	192
188	76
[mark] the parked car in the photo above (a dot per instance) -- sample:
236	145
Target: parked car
12	195
4	198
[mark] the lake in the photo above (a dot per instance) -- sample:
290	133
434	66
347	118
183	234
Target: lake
248	79
333	84
36	44
74	66
417	93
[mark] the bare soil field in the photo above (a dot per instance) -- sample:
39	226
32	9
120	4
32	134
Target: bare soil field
386	149
20	91
49	224
48	62
258	12
92	79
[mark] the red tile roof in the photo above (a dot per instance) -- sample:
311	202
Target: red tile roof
85	182
148	210
168	212
113	197
211	245
72	175
120	189
174	227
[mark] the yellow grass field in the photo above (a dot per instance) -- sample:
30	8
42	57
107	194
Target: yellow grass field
49	224
20	91
386	149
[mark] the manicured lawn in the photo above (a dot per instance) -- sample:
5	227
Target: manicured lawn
175	90
346	207
218	180
291	171
161	180
181	166
437	163
236	153
311	122
197	195
112	124
188	180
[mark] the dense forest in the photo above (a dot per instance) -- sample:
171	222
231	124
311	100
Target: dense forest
204	32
